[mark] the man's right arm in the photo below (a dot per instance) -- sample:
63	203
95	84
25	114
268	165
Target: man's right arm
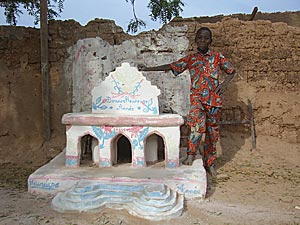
165	67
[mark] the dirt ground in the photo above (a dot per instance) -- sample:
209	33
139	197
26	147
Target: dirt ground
259	186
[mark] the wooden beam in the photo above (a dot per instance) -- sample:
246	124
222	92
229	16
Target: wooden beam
253	14
45	70
253	135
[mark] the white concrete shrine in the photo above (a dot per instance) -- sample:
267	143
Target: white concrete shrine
151	184
125	103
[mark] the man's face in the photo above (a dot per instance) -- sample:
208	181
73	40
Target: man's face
203	40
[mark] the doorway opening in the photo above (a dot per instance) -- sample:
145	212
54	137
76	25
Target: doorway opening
121	152
88	150
155	149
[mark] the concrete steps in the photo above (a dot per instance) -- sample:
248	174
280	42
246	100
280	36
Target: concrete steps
148	201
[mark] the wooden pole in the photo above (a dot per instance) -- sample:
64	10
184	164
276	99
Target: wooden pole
45	70
253	14
253	137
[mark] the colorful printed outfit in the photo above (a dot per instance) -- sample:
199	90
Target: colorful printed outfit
204	113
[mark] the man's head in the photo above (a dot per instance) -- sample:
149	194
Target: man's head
203	39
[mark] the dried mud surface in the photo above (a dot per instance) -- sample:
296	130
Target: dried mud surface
259	186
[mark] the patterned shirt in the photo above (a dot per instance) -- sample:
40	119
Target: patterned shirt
204	71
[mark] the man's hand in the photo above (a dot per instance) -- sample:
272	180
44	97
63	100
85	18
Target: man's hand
221	88
141	67
165	67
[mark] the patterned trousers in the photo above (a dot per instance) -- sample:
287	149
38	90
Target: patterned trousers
204	120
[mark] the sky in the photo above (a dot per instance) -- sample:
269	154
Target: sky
121	11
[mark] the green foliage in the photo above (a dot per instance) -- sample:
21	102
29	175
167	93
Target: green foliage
135	23
13	9
165	10
161	10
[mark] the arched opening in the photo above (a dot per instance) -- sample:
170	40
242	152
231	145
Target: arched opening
88	150
121	152
155	149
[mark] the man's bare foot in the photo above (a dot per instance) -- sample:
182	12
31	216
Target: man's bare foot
189	160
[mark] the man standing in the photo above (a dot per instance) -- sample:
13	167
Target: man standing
205	95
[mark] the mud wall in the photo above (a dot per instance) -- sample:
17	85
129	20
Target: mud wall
21	136
265	54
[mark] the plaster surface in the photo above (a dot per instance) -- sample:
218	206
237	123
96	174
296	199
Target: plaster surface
149	201
54	177
86	118
93	59
125	103
125	91
107	137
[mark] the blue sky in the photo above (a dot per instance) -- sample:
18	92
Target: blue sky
121	12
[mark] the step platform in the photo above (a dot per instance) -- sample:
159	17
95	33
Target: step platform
152	192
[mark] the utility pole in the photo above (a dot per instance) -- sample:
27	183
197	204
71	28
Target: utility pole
45	70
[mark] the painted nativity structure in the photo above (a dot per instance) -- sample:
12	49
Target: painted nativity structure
124	105
133	151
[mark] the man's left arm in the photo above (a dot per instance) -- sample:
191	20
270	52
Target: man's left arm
229	70
223	86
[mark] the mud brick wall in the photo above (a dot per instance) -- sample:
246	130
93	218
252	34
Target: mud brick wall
266	56
20	83
265	53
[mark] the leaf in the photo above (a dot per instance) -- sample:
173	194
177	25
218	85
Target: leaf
12	9
134	143
98	100
144	133
98	131
165	10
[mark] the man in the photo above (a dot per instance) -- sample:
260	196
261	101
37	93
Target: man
205	95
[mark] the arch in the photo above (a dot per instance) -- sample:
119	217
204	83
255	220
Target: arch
121	149
88	149
155	148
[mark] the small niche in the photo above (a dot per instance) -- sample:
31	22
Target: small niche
122	153
155	149
88	147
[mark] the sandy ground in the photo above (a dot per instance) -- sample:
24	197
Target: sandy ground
259	186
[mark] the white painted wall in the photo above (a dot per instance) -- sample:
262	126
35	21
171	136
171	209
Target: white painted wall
93	59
